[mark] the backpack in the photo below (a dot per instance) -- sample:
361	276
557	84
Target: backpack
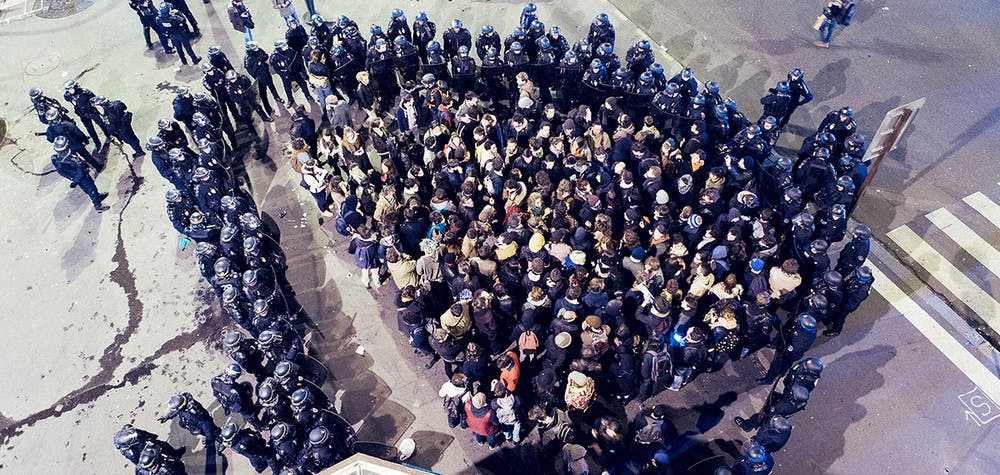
662	368
341	222
651	433
846	13
528	342
505	414
452	406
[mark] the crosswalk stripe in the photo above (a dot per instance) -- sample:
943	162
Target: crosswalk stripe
953	279
976	246
985	207
953	350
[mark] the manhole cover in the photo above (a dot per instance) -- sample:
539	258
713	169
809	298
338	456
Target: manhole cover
42	64
65	8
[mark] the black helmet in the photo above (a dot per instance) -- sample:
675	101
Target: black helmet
229	431
300	397
282	369
819	246
864	274
232	339
205	249
229	294
126	437
221	266
267	338
266	392
817	302
174	196
813	365
862	231
250	244
260	307
178	401
154	143
250	277
280	430
228	232
60	143
149	456
234	370
799	393
833	278
807	322
779	423
319	435
756	454
34	92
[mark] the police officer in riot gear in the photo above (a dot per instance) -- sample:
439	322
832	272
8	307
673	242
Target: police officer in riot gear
456	37
70	166
235	396
42	103
857	287
463	70
286	62
130	442
423	33
486	40
855	253
245	352
83	106
797	336
791	401
249	444
191	415
119	123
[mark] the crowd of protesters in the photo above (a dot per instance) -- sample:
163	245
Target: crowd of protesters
568	231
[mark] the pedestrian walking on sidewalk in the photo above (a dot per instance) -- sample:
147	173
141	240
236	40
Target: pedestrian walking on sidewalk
836	12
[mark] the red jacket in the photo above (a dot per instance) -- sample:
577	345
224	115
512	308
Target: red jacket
482	424
510	377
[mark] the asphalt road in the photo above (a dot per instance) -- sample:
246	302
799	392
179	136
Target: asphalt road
104	320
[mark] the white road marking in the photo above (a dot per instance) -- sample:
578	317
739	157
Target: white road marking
985	207
967	238
953	279
979	374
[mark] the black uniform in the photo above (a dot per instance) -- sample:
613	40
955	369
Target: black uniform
43	103
251	445
82	105
193	417
119	120
235	397
147	16
215	82
463	73
486	41
176	28
290	68
70	166
76	138
423	33
454	39
240	90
